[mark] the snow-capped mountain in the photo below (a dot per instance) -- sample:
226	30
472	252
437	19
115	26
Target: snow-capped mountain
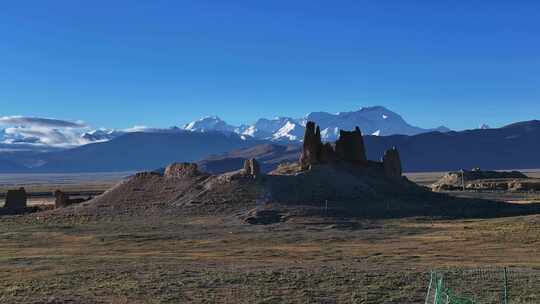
267	128
101	135
210	123
377	121
290	131
37	134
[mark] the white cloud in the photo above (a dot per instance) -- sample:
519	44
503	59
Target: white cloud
41	131
25	131
39	122
37	135
137	129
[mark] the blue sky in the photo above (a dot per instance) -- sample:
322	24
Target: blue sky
163	63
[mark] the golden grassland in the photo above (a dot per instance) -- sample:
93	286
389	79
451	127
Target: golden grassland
210	259
220	259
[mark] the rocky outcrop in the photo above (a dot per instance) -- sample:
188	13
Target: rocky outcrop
252	167
350	146
265	217
519	185
477	179
524	185
182	170
477	174
392	164
16	199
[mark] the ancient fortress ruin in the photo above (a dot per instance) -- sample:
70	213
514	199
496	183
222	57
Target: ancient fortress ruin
16	199
63	199
15	202
338	175
349	148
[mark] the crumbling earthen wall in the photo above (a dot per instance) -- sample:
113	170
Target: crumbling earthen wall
16	199
63	199
252	167
182	170
350	146
392	164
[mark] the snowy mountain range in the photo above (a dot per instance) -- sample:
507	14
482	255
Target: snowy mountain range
377	121
44	134
513	146
508	147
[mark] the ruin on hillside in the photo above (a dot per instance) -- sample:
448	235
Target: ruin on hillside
312	147
182	170
392	164
16	199
252	167
62	199
349	148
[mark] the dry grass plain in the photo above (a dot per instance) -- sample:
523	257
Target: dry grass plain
219	259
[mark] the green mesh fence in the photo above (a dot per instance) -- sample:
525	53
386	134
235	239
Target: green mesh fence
484	286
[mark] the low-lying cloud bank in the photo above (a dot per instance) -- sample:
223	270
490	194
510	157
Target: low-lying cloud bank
24	132
43	136
40	122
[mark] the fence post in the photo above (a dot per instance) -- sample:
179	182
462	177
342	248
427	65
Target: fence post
438	290
429	287
326	208
505	285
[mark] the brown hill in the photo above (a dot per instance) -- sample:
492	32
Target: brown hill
328	181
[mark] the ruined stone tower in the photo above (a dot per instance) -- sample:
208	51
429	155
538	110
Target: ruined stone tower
312	146
15	199
392	164
61	199
350	146
252	167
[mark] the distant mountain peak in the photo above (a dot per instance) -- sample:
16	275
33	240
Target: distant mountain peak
208	123
373	108
102	134
374	120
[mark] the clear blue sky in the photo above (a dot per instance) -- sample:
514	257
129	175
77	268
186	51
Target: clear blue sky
161	63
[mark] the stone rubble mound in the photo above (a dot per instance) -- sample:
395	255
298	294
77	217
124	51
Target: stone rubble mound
477	179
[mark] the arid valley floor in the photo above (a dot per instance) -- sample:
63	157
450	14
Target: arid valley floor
220	259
